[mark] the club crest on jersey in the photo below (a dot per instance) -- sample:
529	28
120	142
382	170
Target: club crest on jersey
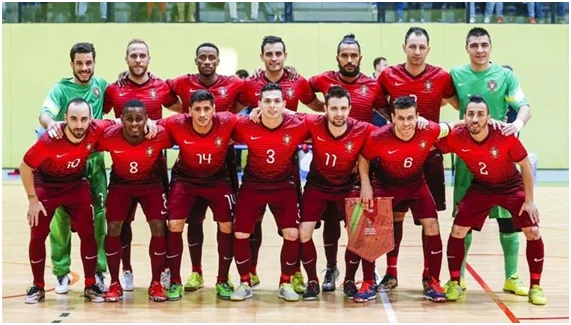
349	147
494	152
218	142
153	94
97	92
364	90
149	151
222	91
287	139
492	86
422	145
289	93
428	85
89	147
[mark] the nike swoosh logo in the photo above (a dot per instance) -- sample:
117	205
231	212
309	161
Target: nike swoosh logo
90	257
399	83
460	84
466	150
122	94
59	156
188	142
353	262
257	94
125	246
291	264
434	253
117	252
311	260
242	262
36	262
392	151
255	138
538	260
118	151
319	138
159	254
192	245
163	212
227	258
168	256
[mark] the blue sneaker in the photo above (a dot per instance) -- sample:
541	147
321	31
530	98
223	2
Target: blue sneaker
434	291
366	292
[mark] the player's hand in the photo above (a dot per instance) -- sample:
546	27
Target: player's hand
151	75
258	73
256	115
54	130
150	129
367	195
292	72
34	212
509	129
497	125
122	79
421	122
531	209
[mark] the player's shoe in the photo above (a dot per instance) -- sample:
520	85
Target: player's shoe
288	293
366	292
388	283
350	288
536	296
62	285
157	292
244	291
298	283
195	281
166	278
100	281
434	291
114	294
377	280
453	291
128	281
425	283
514	285
331	275
34	294
312	291
224	290
174	292
462	284
255	280
93	293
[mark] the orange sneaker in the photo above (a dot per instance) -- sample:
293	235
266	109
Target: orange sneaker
157	292
115	293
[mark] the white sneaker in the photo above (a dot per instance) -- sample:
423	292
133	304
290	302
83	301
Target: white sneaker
127	283
100	281
472	20
62	285
487	19
287	293
166	278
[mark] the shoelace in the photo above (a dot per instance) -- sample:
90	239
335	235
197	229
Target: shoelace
60	279
32	290
435	286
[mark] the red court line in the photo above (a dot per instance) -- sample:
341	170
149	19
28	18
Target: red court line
74	279
492	295
543	318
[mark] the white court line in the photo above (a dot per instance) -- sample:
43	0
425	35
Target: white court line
388	307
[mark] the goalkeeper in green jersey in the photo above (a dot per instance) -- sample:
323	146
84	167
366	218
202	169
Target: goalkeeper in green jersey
500	89
84	85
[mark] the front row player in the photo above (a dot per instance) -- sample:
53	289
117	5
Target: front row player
135	178
53	175
491	158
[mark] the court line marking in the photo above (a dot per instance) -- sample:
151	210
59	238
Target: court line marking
544	318
74	279
492	295
388	307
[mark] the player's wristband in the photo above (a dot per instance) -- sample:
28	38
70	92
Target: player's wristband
518	124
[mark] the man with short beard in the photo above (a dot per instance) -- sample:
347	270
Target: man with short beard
82	85
154	93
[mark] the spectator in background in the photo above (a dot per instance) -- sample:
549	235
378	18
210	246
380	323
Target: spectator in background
563	12
242	74
190	12
490	9
379	64
81	11
472	11
268	9
531	12
162	8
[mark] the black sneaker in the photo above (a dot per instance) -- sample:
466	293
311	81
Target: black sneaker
312	291
34	294
388	283
349	288
93	293
331	275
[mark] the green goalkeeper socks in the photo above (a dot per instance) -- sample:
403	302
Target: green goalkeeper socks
467	243
510	246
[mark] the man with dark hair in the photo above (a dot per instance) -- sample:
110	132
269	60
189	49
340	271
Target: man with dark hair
242	74
154	93
431	87
53	172
379	64
402	150
135	178
82	85
200	176
269	180
500	88
491	157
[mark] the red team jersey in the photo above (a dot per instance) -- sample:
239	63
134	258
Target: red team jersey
293	91
492	161
201	160
134	164
270	151
154	93
429	88
225	90
60	160
401	162
366	94
334	158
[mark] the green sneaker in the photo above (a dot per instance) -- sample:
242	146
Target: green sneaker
194	282
514	285
224	290
453	291
255	280
462	285
298	283
536	296
174	292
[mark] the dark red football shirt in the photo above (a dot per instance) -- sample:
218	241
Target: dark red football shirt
225	90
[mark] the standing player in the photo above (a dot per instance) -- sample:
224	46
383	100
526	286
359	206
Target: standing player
200	173
154	93
431	86
53	175
225	90
337	140
366	96
269	180
402	150
491	158
136	177
82	85
500	89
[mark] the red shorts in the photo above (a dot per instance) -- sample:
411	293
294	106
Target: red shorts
475	206
184	197
252	203
315	202
121	198
74	197
417	198
434	175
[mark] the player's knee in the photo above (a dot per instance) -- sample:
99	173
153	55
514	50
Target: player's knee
114	228
241	235
459	232
290	234
398	216
430	226
176	225
531	233
157	227
306	231
225	227
39	234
